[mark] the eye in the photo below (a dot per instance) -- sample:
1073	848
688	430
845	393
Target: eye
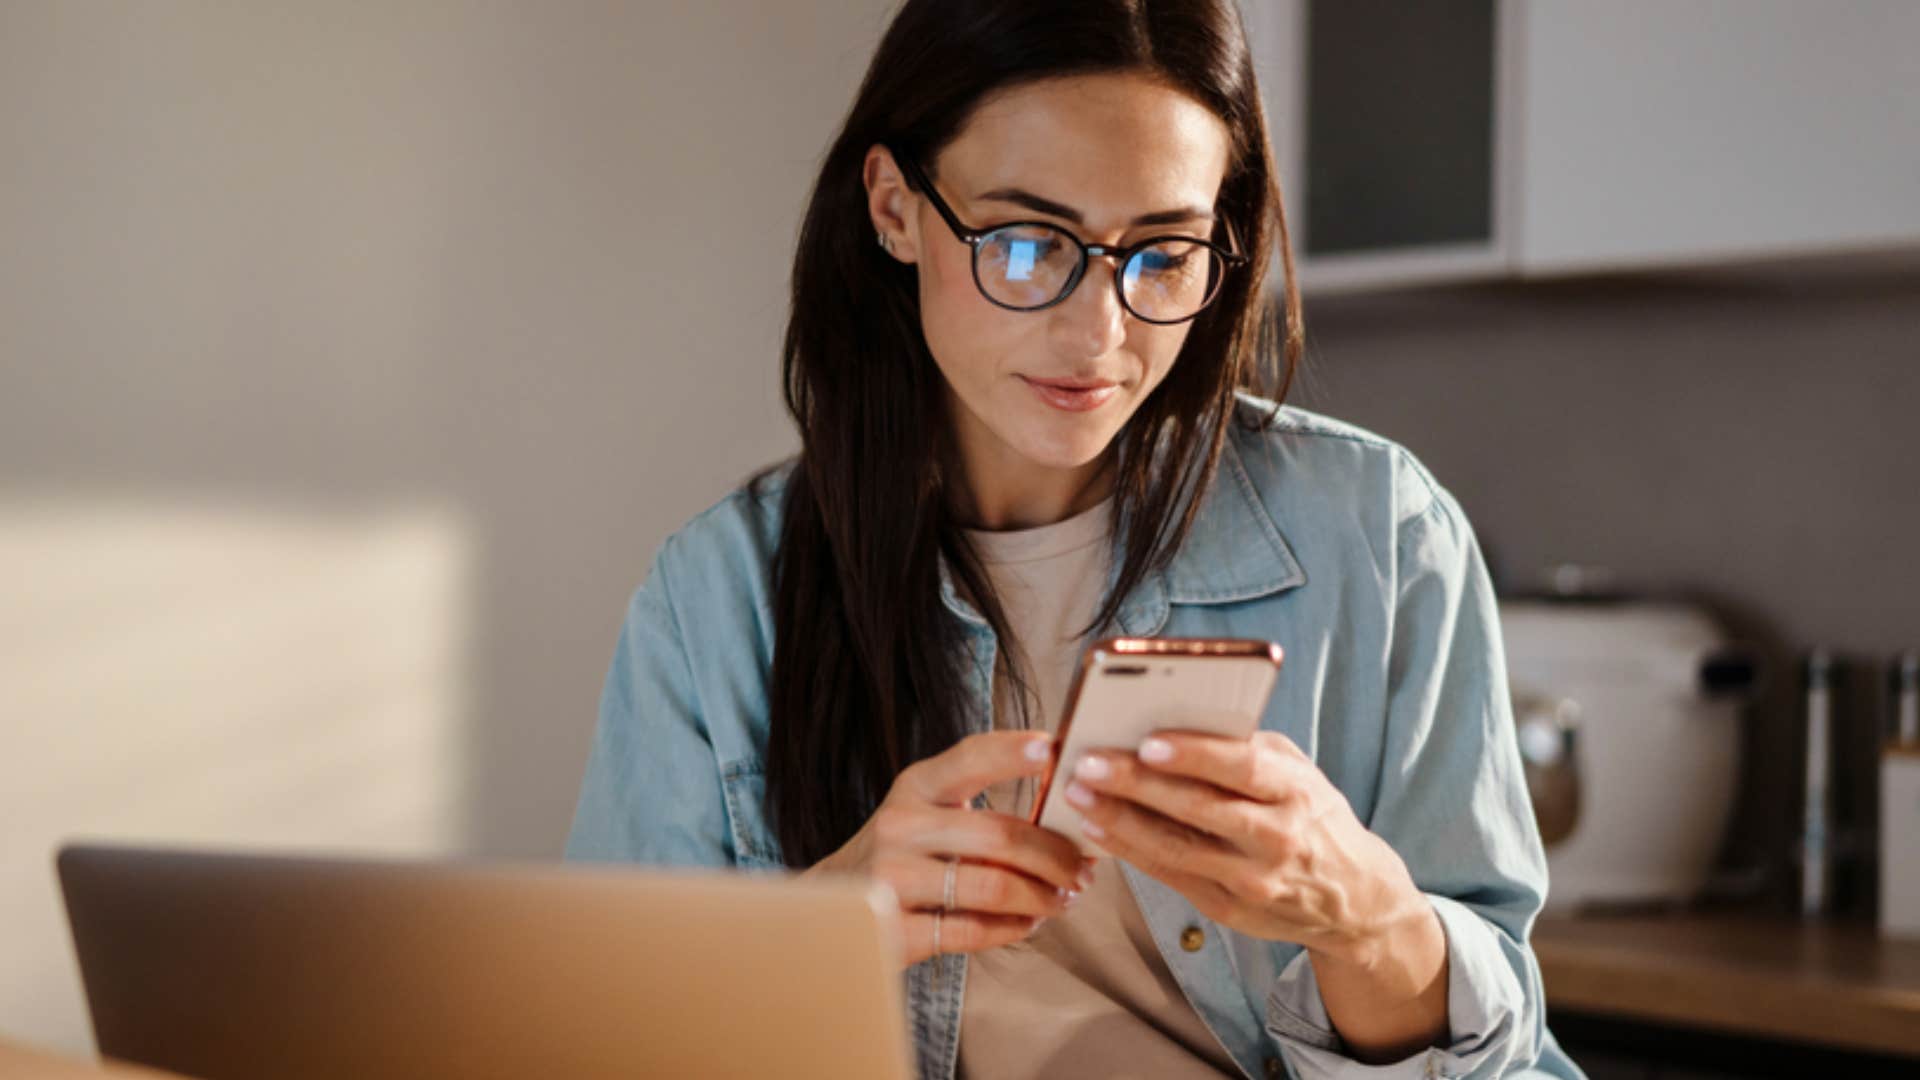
1159	260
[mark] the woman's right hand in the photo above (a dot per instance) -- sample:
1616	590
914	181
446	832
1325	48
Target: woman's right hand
1010	874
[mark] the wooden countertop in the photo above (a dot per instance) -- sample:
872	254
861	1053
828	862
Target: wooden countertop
1834	984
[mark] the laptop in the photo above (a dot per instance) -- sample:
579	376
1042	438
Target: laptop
231	965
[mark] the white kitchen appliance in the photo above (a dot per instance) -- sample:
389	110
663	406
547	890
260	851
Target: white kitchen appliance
1629	714
1900	841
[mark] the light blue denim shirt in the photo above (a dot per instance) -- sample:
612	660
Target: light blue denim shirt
1317	534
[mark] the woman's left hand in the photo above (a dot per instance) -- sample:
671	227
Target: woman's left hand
1253	833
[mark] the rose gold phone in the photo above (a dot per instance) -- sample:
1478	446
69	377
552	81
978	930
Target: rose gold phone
1125	689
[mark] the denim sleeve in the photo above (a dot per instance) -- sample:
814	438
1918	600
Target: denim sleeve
652	791
1453	803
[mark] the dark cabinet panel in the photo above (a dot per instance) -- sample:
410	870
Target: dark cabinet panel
1399	124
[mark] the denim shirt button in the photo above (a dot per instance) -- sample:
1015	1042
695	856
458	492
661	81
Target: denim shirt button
1274	1071
1192	938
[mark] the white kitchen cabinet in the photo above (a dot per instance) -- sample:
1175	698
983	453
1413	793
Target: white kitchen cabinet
1623	134
1672	131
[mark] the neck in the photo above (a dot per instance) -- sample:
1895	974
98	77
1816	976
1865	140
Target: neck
1001	490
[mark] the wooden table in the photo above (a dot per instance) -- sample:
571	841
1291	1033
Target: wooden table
1837	985
24	1062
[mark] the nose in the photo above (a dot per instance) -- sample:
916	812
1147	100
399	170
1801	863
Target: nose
1090	321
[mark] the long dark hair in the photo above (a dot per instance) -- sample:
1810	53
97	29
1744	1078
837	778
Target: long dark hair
869	667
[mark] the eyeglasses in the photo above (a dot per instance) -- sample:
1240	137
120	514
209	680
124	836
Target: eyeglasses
1030	265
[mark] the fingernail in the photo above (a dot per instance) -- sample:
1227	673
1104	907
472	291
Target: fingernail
1154	749
1078	795
1093	768
1089	827
1038	749
1085	879
1073	897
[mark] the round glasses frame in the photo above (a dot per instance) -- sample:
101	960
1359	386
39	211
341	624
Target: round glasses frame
973	238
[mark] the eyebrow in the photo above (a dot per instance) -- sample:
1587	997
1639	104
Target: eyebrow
1022	197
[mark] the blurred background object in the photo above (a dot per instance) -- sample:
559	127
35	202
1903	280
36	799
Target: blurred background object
1630	732
354	360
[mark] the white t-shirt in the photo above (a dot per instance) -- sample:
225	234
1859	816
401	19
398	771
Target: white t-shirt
1049	582
1087	994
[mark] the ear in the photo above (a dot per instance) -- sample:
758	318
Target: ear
892	206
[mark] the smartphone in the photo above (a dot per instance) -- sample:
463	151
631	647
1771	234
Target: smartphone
1125	689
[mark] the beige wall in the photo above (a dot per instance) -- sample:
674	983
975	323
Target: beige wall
356	358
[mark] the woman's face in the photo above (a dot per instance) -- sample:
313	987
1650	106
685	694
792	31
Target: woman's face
1093	154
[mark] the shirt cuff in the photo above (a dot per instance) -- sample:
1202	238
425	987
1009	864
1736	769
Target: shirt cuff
1484	1005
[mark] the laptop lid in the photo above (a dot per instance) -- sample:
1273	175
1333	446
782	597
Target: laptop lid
227	965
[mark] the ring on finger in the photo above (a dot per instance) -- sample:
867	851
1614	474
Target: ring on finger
946	895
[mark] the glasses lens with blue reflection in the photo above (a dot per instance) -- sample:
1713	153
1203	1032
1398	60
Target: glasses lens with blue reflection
1030	266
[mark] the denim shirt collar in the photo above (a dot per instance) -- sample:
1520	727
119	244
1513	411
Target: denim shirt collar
1234	551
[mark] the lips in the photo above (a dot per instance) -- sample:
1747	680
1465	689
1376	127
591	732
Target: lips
1073	395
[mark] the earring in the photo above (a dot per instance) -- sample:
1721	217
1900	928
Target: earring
886	244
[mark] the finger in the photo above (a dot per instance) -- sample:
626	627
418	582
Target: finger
962	931
991	836
920	882
1264	767
1156	844
1199	803
965	769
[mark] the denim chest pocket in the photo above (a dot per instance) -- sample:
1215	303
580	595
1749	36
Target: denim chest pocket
745	785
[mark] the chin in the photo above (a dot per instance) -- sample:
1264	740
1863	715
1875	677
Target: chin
1063	443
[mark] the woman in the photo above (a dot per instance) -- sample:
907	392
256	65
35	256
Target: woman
1034	366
